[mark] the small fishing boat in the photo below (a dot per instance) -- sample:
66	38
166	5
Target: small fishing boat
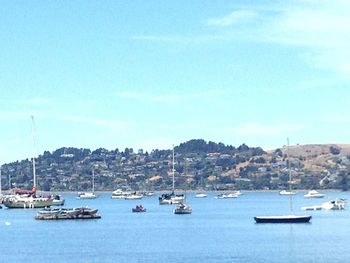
138	209
314	194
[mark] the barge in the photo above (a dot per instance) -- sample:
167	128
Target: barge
67	213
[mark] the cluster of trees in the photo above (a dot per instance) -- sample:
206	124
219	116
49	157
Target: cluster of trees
197	163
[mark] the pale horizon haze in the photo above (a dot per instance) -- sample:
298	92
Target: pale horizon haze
150	74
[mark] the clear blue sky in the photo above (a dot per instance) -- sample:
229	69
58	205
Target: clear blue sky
149	74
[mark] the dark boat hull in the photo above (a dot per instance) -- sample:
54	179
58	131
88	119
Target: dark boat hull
138	210
282	219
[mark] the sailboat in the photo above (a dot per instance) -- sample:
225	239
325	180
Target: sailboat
28	199
172	198
89	195
291	218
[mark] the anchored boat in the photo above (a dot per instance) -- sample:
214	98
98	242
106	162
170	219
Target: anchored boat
89	195
172	198
285	218
25	198
182	209
67	213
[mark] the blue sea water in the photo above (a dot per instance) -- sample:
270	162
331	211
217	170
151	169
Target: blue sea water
218	230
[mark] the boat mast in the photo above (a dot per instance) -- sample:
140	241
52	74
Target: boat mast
93	181
173	169
33	158
290	179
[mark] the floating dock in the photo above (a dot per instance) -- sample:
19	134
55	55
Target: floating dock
67	213
61	217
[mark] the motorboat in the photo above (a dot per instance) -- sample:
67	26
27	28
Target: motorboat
339	204
138	209
87	210
182	209
314	194
170	199
62	211
200	195
285	192
133	196
312	208
86	195
58	200
238	193
49	211
147	193
226	195
119	194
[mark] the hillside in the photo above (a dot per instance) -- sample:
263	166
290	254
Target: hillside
198	165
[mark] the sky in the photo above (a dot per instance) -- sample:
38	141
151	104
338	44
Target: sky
150	74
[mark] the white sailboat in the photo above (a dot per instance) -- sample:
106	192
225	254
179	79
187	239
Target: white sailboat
89	195
291	218
172	198
28	199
